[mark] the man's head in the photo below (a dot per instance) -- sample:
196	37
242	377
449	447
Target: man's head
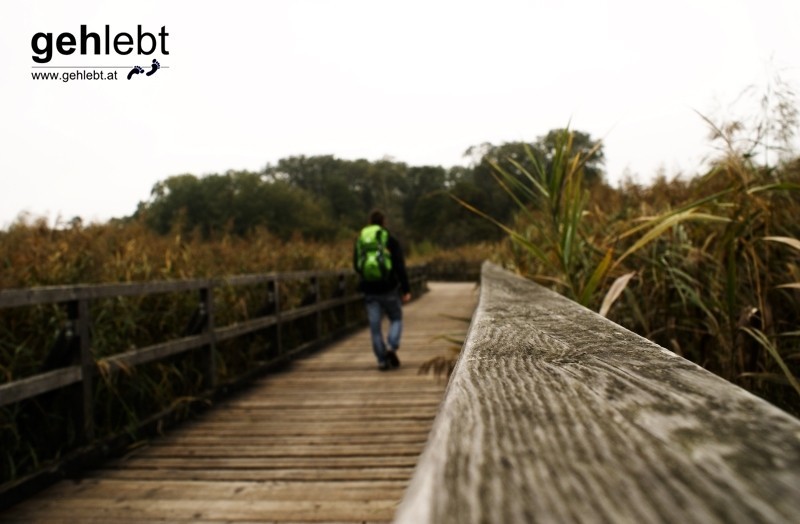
377	218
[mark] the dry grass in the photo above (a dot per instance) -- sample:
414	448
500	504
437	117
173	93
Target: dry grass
33	254
705	267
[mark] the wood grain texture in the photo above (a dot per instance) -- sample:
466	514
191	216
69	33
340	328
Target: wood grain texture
331	439
555	414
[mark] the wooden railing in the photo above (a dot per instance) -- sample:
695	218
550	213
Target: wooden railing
555	414
204	337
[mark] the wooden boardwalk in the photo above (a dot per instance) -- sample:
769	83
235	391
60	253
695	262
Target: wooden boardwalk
329	439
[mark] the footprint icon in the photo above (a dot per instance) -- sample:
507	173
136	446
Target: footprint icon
135	71
155	67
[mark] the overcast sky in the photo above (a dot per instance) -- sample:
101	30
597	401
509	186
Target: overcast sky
248	83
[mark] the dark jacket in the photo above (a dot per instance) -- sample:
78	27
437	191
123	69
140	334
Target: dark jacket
398	276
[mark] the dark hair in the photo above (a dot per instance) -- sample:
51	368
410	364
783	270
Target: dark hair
376	217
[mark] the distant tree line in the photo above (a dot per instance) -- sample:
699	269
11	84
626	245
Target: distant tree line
324	197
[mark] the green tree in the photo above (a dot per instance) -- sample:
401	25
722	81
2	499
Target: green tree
188	203
517	158
582	144
237	202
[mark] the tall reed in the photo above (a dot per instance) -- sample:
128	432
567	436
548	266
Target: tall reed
38	430
704	267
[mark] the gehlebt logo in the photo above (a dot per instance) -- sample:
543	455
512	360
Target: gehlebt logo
48	48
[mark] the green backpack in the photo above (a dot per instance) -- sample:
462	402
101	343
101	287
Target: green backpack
373	259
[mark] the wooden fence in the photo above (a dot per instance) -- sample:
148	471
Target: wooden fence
555	414
342	301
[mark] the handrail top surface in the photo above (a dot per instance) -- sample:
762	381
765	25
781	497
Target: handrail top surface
17	297
556	414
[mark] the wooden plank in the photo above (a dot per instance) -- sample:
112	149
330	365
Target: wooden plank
267	462
414	405
340	449
138	356
249	326
115	509
326	429
242	491
411	421
332	475
352	426
38	384
195	439
233	411
242	328
104	520
389	413
557	414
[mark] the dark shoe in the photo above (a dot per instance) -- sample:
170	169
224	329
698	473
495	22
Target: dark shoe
383	366
391	356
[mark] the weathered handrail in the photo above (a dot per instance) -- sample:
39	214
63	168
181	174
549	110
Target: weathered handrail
77	299
555	414
51	294
41	383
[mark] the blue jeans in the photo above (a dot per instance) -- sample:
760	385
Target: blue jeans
377	305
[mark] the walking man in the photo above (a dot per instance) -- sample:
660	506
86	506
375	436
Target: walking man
378	259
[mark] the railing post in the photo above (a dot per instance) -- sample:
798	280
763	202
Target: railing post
341	291
207	313
78	312
317	300
276	286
